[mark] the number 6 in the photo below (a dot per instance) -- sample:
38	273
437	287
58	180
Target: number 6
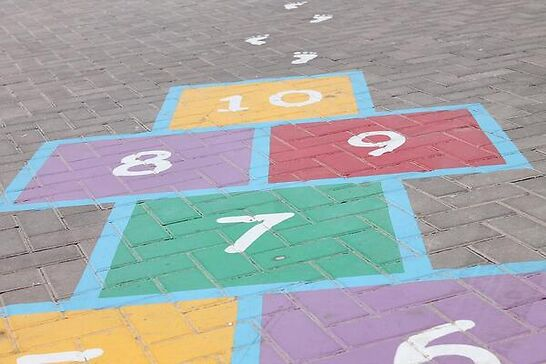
415	350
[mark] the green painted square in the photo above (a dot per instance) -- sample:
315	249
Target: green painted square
177	244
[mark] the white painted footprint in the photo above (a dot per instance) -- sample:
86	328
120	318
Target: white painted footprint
303	57
291	6
257	39
317	18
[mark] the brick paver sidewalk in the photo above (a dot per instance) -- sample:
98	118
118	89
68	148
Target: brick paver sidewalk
273	182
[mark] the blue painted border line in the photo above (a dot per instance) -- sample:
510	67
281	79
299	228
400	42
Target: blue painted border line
261	186
499	138
28	171
247	338
259	164
168	108
361	281
362	93
92	281
368	112
405	227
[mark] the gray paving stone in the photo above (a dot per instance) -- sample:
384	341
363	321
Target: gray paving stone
39	259
7	147
52	250
7	221
463	216
457	257
37	293
86	219
477	180
64	277
39	222
424	204
86	247
532	205
523	229
533	119
527	131
531	141
425	228
20	279
537	185
506	250
483	195
436	186
458	236
11	242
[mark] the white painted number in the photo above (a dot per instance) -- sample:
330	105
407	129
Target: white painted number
312	98
415	350
235	101
395	141
67	356
266	222
234	104
158	161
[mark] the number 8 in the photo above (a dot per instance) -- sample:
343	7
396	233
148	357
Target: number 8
159	162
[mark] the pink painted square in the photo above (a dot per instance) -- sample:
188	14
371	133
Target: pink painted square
141	165
379	145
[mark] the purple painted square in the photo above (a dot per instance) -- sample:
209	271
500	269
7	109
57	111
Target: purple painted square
94	170
375	322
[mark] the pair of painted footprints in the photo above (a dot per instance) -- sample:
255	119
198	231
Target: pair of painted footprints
299	57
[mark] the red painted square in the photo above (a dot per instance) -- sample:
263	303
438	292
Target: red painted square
429	141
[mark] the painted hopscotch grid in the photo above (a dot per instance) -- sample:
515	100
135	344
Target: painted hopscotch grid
416	265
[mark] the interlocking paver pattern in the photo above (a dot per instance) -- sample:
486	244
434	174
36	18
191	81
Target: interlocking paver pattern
433	141
84	171
44	253
72	69
336	231
368	324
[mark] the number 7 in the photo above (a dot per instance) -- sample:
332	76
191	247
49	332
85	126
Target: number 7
266	222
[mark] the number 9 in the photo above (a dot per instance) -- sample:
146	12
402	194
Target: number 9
395	141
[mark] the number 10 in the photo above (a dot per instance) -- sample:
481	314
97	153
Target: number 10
235	101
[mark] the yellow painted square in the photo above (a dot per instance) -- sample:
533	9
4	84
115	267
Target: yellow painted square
157	333
290	99
210	317
5	342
